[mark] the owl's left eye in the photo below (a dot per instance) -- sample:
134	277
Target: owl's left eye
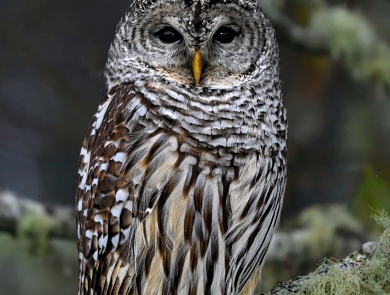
225	35
168	35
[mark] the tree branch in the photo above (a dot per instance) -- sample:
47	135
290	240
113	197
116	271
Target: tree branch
21	215
363	272
13	210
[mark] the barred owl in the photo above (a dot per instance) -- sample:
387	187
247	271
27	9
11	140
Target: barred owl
183	170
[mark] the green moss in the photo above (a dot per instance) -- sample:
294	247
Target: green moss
36	227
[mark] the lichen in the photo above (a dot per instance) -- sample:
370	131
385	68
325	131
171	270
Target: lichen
36	227
371	276
353	40
361	273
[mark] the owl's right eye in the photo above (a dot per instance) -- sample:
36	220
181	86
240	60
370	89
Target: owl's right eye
168	35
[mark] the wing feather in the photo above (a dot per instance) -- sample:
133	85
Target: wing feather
105	196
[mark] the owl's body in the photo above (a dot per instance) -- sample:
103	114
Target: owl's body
181	181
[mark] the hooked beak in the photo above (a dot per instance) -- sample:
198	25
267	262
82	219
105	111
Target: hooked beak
197	66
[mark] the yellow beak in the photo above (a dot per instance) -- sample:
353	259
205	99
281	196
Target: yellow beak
197	66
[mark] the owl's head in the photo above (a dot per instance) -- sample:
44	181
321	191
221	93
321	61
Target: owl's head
195	43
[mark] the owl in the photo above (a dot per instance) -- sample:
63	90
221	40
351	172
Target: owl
183	169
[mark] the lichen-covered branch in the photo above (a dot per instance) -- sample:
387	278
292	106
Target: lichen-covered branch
28	217
23	216
326	271
366	272
344	34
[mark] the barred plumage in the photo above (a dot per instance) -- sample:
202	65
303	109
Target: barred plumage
181	183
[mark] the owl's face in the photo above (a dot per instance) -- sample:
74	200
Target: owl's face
194	43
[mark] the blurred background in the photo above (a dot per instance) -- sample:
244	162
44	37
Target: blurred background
335	67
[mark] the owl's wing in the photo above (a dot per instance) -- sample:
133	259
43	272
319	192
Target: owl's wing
111	203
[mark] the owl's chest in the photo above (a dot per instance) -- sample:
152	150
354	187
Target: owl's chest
169	176
190	206
198	212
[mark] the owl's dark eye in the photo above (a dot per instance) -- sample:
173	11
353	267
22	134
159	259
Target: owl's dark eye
225	35
168	35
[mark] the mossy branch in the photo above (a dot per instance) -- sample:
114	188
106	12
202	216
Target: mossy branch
22	216
344	34
366	272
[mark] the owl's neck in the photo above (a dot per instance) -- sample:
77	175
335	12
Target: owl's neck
235	121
